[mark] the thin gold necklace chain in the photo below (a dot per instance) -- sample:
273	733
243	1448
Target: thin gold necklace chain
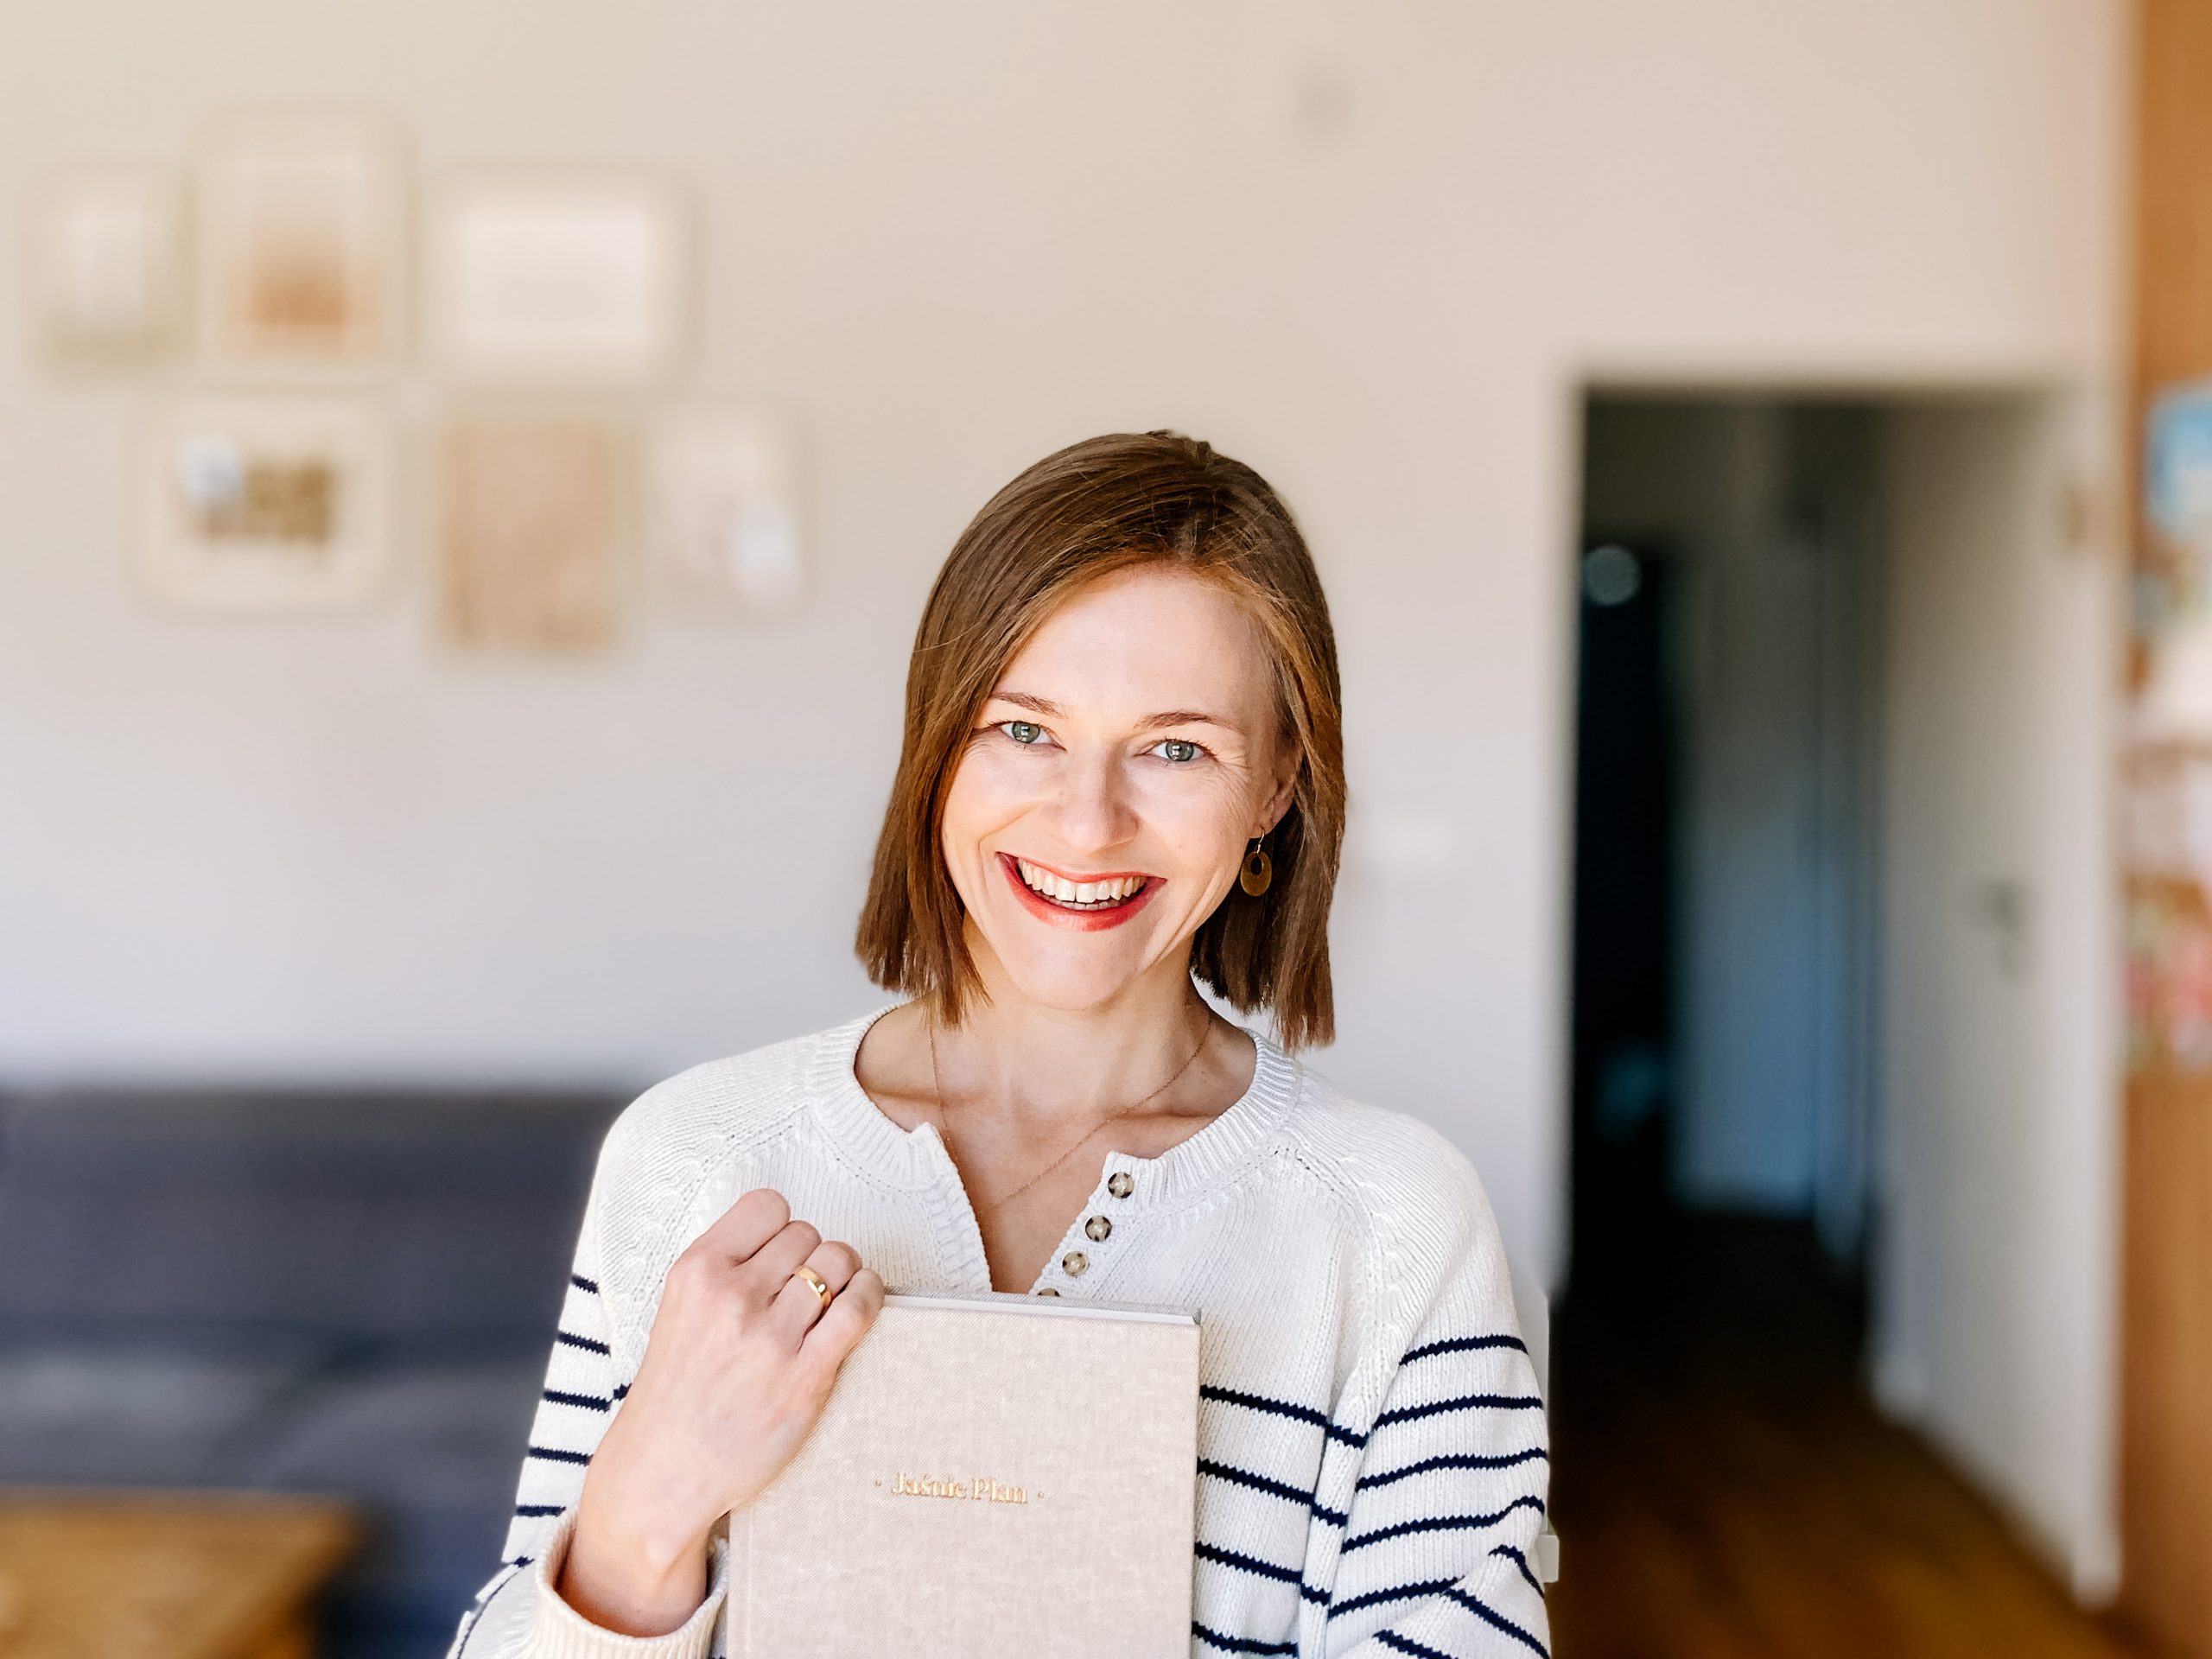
944	1130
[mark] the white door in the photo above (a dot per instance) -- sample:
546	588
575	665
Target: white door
1994	1255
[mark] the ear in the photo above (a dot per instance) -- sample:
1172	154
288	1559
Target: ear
1286	786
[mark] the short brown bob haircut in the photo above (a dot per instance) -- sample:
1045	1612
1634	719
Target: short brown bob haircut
1096	508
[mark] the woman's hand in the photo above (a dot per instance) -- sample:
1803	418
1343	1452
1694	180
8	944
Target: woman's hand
739	1365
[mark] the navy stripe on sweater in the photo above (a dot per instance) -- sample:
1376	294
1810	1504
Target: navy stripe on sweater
1460	1403
1281	1489
1452	1460
1521	1561
1206	1551
1461	1345
587	1401
1353	1438
556	1454
1239	1643
1281	1409
1397	1643
1440	1524
571	1339
582	1283
1496	1620
1395	1592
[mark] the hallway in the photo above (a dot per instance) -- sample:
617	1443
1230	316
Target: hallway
1723	1489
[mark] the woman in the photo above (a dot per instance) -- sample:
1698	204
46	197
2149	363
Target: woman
1122	766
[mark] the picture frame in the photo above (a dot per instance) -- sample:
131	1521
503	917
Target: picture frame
534	507
267	502
107	277
725	512
537	276
300	243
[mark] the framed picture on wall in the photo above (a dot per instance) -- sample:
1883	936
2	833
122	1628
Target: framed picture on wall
534	506
266	503
107	276
724	508
300	229
538	275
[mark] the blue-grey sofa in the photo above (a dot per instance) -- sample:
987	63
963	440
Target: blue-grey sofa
295	1291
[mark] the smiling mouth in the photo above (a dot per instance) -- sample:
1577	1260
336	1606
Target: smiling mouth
1101	892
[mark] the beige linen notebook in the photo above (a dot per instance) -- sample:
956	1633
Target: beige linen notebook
995	1473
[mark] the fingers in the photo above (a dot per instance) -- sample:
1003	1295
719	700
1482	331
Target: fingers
771	1264
797	1303
747	1225
758	1237
846	1321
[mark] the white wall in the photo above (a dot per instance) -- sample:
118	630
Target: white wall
1996	1265
1374	250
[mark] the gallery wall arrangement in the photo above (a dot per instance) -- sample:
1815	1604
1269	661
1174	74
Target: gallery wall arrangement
271	295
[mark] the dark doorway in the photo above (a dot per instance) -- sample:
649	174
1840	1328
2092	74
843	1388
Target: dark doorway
1622	1033
1723	1481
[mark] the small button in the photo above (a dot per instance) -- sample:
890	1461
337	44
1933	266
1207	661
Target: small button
1047	1290
1075	1264
1120	1184
1097	1227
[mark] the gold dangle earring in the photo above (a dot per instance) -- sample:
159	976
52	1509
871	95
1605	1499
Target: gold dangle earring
1258	870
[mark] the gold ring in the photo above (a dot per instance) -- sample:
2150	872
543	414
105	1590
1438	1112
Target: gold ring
814	1281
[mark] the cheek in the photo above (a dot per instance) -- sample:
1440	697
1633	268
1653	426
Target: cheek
1201	818
984	793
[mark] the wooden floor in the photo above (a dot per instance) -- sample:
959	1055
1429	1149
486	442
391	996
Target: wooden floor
1722	1490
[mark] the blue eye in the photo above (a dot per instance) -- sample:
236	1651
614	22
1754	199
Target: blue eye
1180	750
1025	732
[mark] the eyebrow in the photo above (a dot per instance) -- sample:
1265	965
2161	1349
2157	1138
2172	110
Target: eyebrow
1169	717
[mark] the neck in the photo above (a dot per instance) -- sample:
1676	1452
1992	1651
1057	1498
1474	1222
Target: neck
1016	1057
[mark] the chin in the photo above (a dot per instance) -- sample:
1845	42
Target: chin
1068	987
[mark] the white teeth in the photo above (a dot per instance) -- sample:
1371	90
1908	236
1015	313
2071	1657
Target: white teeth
1064	891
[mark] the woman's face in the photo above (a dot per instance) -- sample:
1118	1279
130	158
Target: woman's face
1115	777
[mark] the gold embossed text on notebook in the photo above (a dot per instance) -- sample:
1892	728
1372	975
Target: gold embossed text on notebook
993	1474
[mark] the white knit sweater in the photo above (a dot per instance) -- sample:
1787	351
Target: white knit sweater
1372	1460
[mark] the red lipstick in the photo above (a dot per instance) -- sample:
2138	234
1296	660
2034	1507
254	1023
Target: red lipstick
1079	921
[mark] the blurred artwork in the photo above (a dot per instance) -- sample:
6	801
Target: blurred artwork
2178	449
2169	977
2165	825
300	232
2173	570
2173	703
539	276
533	504
107	273
268	504
722	503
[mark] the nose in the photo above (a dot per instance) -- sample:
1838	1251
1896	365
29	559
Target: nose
1093	812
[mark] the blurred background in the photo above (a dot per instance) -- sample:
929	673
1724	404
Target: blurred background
468	477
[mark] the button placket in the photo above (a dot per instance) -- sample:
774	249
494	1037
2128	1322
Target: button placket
1097	1228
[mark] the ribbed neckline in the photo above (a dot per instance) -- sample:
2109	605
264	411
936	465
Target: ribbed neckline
916	1157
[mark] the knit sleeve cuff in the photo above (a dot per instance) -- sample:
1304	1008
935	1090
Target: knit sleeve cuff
558	1631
